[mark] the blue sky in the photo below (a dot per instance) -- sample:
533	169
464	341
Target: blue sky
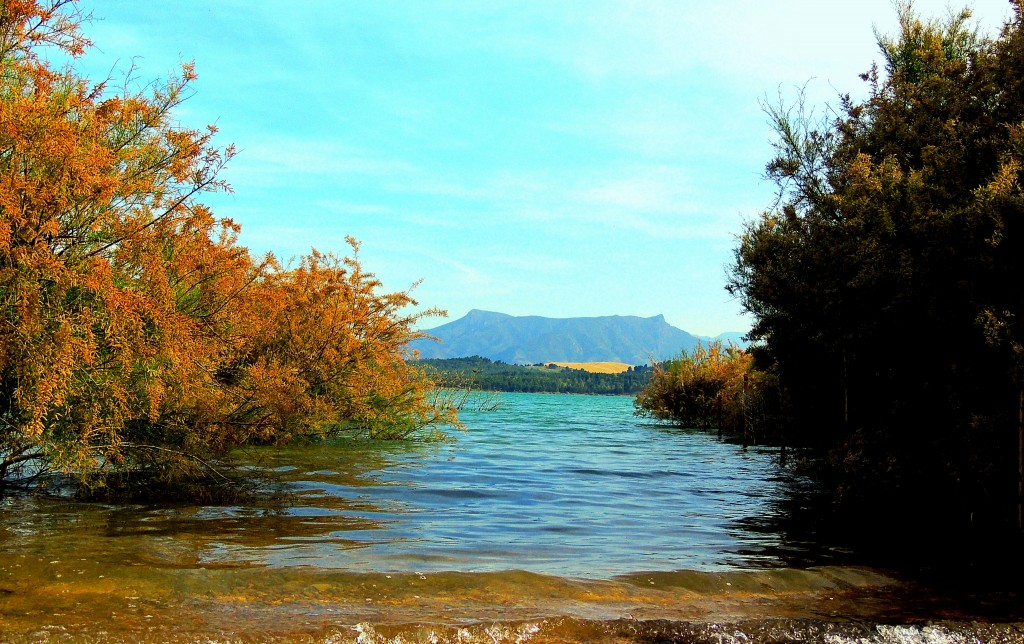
556	158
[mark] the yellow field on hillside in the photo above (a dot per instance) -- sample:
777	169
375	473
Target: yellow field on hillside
595	367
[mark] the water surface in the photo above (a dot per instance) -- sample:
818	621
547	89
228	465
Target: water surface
555	517
555	484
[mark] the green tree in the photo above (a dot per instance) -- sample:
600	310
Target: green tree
885	283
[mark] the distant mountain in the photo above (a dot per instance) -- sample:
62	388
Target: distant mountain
532	339
736	337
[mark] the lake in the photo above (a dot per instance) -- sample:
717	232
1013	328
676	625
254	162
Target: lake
554	518
555	484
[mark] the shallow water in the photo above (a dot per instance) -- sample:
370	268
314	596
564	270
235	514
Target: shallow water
556	518
565	485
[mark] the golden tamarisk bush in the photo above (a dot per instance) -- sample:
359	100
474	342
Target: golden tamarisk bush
136	335
713	386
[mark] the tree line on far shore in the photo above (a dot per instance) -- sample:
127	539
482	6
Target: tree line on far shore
484	374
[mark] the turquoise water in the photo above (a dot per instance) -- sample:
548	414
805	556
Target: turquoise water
564	485
558	484
555	518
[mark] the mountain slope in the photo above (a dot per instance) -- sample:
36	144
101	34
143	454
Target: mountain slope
532	339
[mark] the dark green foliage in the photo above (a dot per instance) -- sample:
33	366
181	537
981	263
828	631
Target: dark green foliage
886	284
488	375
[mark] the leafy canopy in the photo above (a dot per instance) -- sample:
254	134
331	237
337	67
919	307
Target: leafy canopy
885	283
136	335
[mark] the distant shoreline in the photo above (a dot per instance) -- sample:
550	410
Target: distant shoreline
489	375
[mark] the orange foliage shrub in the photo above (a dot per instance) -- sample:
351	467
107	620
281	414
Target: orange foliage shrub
712	386
135	333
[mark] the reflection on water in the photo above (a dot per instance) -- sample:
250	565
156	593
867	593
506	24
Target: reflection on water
566	485
563	509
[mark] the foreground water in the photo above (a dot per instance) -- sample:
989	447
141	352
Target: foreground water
563	485
556	518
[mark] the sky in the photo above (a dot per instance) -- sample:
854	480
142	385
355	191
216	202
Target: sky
559	158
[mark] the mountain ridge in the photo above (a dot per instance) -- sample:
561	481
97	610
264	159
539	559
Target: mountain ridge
531	339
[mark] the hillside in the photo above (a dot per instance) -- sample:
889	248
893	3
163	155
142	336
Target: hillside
534	339
595	367
482	374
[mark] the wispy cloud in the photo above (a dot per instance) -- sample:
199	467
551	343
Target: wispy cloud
285	160
511	153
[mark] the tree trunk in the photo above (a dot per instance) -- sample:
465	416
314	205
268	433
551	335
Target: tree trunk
743	399
846	394
1020	461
